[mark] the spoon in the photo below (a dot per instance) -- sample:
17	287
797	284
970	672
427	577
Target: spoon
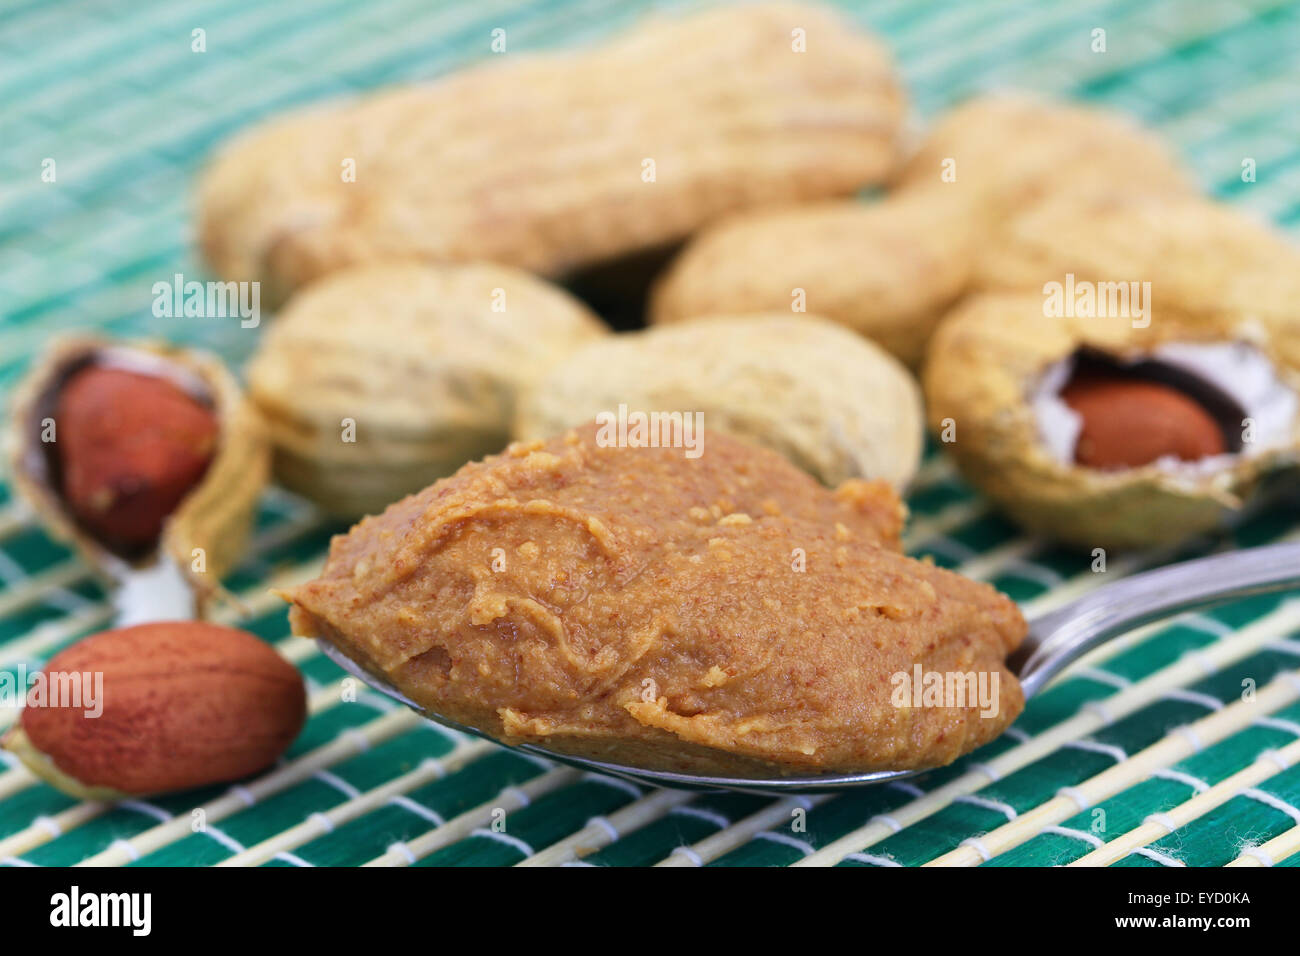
1055	641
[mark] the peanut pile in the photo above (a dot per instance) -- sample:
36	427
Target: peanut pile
1112	358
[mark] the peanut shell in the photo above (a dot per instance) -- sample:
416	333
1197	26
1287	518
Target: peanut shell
425	361
1005	151
205	535
887	269
833	403
890	269
540	161
985	361
1201	257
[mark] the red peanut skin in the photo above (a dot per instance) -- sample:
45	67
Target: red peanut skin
185	704
130	446
1128	424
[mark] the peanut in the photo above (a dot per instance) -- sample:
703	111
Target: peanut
835	404
886	269
557	161
143	456
130	447
380	379
184	704
889	269
1127	424
991	384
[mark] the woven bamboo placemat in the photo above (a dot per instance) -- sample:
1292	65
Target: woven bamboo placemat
1146	755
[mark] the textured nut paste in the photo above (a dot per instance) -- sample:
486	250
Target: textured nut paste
638	606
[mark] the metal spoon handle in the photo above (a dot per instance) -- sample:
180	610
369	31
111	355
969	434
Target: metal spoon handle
1060	637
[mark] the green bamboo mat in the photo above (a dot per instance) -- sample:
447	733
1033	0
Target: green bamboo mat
128	112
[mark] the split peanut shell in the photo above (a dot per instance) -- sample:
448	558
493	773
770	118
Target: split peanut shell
205	534
556	161
996	352
381	379
833	403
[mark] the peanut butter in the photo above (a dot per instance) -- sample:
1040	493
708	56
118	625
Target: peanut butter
719	614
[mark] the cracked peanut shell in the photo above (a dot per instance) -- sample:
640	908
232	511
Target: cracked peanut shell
379	379
996	351
539	161
214	516
833	403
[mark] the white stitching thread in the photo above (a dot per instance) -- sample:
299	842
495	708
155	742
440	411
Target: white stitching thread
688	853
1271	801
699	813
1161	858
1192	697
1169	773
803	846
888	821
229	842
1161	820
1103	677
401	849
978	846
997	806
338	783
419	809
322	821
872	859
1089	838
297	860
1075	795
603	823
1259	854
511	841
1191	736
615	782
1115	753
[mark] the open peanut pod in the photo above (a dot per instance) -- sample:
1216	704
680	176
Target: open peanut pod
1111	432
378	380
147	458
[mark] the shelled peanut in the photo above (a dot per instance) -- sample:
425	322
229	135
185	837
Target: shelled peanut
161	707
